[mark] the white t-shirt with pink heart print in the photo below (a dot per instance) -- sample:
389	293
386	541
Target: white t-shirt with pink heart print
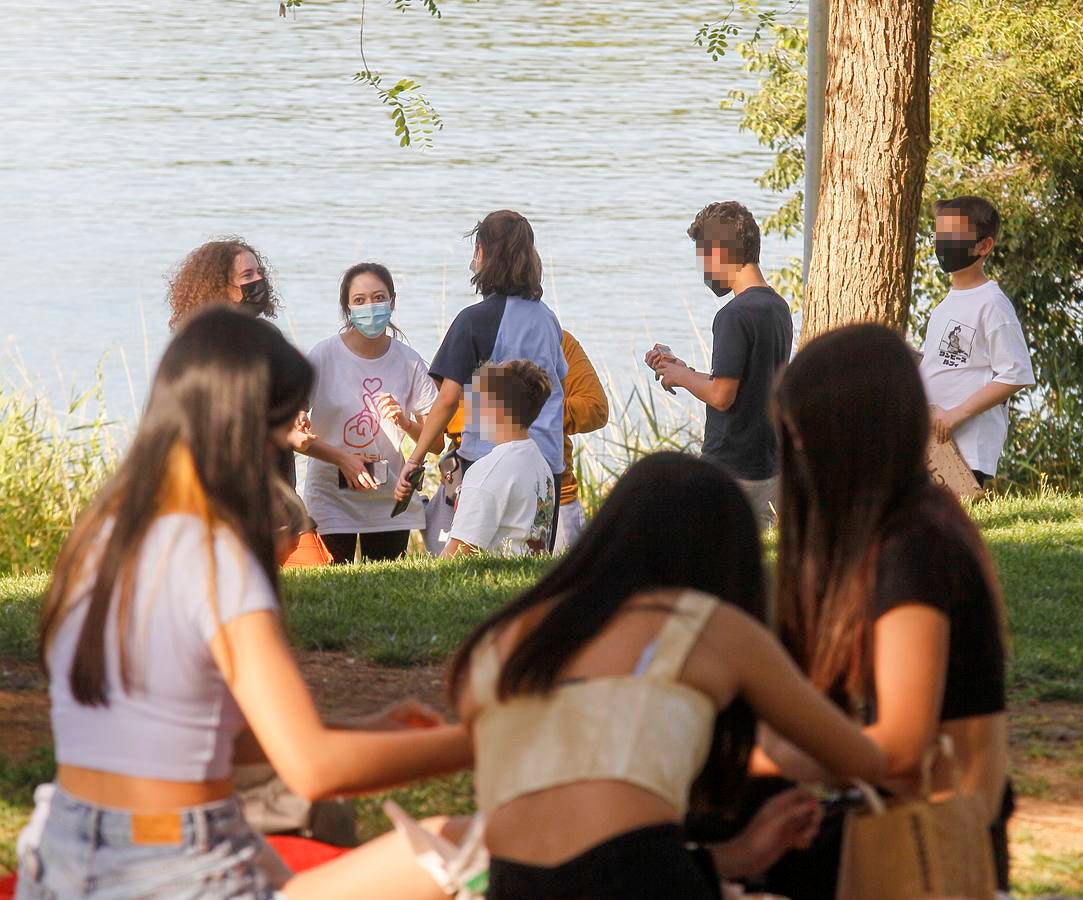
345	413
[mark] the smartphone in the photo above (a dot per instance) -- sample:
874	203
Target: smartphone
377	469
415	479
663	348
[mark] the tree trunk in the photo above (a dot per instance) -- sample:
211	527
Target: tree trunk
876	141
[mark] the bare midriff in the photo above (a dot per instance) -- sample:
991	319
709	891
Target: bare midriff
553	826
126	792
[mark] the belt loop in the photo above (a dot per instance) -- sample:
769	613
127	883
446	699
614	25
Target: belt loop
96	814
202	836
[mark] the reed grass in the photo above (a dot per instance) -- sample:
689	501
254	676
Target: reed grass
52	462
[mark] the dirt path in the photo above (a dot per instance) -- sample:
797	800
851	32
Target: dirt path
1047	742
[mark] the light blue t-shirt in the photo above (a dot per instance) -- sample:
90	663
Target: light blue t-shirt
500	329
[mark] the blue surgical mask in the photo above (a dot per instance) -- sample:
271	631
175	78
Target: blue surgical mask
371	319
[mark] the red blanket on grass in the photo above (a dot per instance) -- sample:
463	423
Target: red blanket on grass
299	854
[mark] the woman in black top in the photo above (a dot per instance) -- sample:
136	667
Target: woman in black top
887	596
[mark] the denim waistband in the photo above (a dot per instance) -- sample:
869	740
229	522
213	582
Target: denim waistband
107	827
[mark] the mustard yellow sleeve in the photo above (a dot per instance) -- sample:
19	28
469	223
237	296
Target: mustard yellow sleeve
586	407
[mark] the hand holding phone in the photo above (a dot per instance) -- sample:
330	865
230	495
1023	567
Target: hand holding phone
356	471
376	468
413	482
655	356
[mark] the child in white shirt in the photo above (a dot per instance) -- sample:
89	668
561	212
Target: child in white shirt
975	356
507	500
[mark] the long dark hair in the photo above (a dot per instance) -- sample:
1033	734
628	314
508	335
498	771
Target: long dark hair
224	382
366	268
510	264
671	521
854	425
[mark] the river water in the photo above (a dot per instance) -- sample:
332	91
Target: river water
133	131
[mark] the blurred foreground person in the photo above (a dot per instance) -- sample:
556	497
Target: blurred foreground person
161	637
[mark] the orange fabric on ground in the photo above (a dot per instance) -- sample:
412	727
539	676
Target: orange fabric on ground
308	550
585	408
301	853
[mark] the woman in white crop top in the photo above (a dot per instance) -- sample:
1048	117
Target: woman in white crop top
625	685
162	639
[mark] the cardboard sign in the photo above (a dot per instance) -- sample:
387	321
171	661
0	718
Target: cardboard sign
947	466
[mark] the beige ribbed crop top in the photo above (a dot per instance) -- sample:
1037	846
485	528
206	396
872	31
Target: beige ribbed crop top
646	729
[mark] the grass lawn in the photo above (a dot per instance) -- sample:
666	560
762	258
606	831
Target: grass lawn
416	611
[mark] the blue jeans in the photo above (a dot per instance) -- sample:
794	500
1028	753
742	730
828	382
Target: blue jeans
75	849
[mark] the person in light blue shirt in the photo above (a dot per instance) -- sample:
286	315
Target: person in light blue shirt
510	322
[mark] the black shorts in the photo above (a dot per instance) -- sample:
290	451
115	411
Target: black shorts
645	864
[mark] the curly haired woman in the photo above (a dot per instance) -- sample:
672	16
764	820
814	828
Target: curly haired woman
223	271
231	271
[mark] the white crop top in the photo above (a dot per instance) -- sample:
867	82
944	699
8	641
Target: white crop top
179	721
648	729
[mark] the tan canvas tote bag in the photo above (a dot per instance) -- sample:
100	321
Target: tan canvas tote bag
918	848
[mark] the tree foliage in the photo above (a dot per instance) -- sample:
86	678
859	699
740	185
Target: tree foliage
1007	124
414	117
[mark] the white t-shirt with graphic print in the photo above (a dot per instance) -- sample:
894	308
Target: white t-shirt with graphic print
974	338
345	413
506	501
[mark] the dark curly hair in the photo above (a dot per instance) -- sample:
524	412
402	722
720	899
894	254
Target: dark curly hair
731	225
203	278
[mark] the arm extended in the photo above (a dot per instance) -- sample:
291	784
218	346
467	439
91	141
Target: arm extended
313	759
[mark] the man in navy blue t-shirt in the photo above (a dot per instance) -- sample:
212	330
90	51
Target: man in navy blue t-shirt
753	334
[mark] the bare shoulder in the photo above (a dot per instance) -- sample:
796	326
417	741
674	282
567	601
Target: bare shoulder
730	625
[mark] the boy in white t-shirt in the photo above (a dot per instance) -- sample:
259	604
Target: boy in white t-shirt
507	499
975	356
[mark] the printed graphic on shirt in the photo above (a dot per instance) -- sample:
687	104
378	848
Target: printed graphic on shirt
543	519
362	429
956	344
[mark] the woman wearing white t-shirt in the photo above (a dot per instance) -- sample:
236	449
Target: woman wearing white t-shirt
162	641
371	392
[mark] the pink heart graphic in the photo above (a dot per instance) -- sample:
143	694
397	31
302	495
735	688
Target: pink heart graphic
372	385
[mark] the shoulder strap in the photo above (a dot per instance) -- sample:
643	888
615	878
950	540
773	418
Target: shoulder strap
484	671
679	634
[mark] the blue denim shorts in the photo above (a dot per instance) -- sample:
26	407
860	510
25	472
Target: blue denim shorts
75	849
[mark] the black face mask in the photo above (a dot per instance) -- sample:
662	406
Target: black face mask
954	255
256	296
718	288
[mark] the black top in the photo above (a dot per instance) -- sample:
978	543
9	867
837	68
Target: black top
920	563
753	334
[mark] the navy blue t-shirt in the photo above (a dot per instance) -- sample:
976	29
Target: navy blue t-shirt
500	329
753	334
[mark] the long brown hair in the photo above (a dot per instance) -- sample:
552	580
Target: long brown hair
510	264
633	545
203	277
224	382
854	426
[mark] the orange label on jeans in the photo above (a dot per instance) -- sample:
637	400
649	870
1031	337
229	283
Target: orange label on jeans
157	829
